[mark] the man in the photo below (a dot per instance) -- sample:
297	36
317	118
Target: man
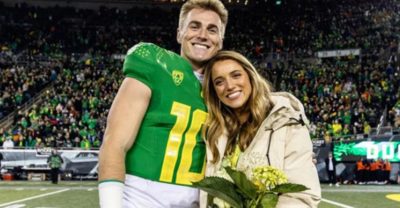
54	162
153	142
393	59
85	144
8	144
330	165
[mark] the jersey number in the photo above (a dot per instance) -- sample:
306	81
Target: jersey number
183	176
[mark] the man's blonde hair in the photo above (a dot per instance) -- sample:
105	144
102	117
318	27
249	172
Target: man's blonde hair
212	5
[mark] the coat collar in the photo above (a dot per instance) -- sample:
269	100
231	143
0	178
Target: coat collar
287	109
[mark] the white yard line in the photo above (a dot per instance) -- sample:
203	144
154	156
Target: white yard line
336	203
363	190
90	189
16	206
19	189
34	197
43	189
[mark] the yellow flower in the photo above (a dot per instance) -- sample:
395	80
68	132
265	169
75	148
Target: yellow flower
259	184
269	176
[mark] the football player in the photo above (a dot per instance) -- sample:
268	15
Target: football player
153	148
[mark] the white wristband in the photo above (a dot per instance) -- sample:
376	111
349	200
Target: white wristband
110	194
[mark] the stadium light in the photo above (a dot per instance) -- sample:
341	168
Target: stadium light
278	2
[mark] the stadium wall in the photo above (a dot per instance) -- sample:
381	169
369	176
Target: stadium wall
80	163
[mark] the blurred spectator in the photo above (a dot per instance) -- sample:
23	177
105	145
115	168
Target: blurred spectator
8	144
330	165
85	144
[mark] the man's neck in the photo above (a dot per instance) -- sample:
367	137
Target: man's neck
197	67
198	70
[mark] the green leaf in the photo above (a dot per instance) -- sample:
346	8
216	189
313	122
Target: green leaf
289	188
244	195
221	188
242	182
268	201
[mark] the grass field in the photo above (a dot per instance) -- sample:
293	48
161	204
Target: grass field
83	194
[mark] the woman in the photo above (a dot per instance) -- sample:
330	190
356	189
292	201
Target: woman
245	118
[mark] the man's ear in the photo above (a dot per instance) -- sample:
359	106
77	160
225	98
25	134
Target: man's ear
178	36
221	44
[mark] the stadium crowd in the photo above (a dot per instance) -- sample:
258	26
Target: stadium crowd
342	95
19	84
73	113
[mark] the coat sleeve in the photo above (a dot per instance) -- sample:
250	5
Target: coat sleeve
300	169
326	164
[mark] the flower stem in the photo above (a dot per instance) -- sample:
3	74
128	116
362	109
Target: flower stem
259	198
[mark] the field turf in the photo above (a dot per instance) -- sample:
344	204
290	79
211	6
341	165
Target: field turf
84	194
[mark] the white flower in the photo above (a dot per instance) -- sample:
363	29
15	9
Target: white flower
222	174
226	162
221	203
250	161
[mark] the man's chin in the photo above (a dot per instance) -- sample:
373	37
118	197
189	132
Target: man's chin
200	60
204	61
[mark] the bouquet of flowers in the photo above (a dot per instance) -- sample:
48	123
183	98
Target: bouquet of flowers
257	187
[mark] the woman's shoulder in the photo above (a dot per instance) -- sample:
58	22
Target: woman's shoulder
285	99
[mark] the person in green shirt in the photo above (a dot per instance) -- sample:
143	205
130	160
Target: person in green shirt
55	161
320	90
19	97
85	117
85	144
83	132
85	103
30	143
24	122
347	118
96	143
92	122
45	109
73	125
54	101
283	85
93	103
92	133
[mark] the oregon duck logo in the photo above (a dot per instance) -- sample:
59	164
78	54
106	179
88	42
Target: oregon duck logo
177	77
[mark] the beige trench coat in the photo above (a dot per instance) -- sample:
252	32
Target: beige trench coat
290	150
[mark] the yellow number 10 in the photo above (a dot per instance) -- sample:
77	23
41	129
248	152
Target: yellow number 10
183	176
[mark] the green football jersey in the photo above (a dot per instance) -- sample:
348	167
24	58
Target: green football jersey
169	147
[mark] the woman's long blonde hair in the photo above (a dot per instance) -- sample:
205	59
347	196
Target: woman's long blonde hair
222	117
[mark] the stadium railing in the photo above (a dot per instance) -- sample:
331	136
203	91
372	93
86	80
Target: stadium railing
58	148
8	121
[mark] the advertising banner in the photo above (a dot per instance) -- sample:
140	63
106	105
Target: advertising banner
352	151
336	53
77	163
